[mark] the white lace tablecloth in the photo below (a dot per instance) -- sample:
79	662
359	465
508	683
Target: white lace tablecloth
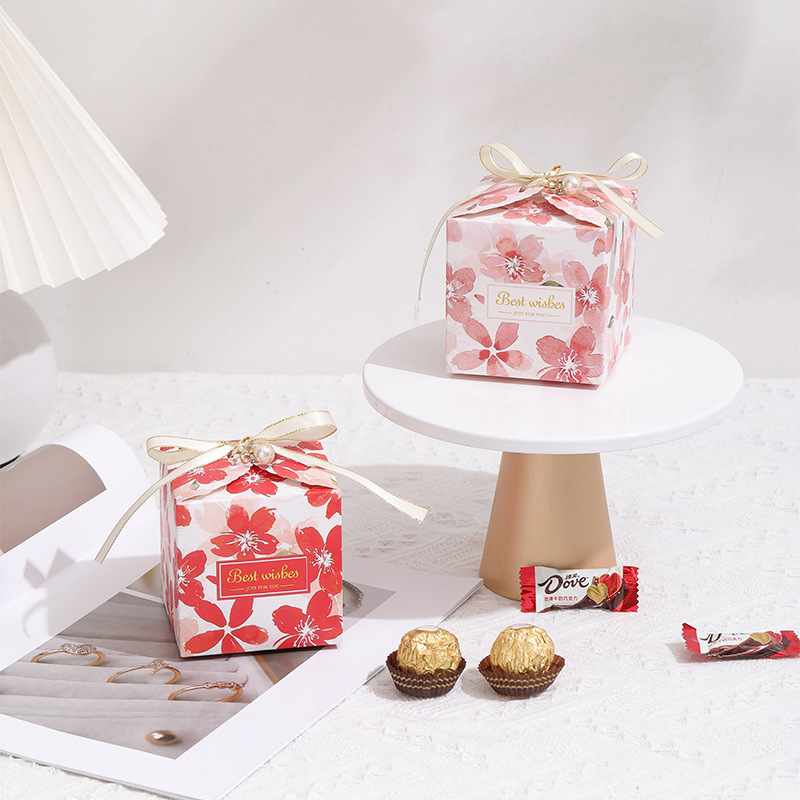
712	522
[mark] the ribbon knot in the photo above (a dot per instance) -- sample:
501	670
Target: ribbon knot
568	182
259	449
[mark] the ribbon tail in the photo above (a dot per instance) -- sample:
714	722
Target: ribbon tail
408	508
439	225
199	461
650	228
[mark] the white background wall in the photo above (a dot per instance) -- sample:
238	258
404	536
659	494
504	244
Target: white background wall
303	152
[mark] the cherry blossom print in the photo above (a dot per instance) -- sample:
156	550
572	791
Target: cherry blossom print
248	535
538	213
623	280
602	238
203	475
288	468
495	354
496	197
450	342
459	283
319	496
492	190
190	567
257	480
182	516
513	261
570	363
312	628
324	557
592	295
230	632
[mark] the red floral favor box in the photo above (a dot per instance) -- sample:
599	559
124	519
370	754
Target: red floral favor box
252	555
540	274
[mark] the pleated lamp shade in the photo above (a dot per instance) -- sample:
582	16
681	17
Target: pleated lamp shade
70	206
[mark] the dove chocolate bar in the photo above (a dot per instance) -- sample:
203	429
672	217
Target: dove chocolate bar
612	588
766	644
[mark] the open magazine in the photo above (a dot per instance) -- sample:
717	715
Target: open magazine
90	676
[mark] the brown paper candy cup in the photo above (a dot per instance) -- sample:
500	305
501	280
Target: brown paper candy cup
434	684
520	684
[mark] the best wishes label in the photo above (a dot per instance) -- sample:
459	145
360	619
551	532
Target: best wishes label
533	303
262	578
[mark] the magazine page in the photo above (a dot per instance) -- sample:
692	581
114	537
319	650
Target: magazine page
89	477
48	577
108	695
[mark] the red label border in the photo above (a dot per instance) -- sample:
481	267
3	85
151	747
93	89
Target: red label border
303	588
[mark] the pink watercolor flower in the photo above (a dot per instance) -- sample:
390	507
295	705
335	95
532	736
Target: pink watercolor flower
248	535
603	238
592	295
539	212
459	284
573	362
513	261
495	354
311	628
230	631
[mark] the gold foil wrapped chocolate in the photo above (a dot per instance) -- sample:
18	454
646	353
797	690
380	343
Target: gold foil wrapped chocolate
428	649
522	648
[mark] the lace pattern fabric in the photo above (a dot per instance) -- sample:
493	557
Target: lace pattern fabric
711	520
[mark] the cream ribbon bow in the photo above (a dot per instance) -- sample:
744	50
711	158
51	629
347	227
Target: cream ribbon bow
554	180
259	449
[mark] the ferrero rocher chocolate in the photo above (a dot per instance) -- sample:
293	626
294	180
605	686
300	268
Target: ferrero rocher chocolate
522	648
428	649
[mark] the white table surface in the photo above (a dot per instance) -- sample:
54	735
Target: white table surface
670	382
711	520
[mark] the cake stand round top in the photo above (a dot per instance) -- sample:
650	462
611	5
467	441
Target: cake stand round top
669	382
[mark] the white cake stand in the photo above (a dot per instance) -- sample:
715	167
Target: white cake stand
550	504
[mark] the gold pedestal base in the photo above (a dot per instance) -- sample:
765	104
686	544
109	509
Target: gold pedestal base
548	510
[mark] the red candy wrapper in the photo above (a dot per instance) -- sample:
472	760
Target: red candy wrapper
612	589
768	644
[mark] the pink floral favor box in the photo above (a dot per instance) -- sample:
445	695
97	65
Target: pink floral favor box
539	279
252	555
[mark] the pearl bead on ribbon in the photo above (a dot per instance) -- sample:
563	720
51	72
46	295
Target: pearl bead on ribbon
570	182
259	449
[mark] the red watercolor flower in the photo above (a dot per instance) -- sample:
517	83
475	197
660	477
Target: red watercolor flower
207	474
248	537
287	468
318	496
324	558
182	516
190	590
256	480
592	295
514	261
312	628
230	631
495	353
573	362
459	284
